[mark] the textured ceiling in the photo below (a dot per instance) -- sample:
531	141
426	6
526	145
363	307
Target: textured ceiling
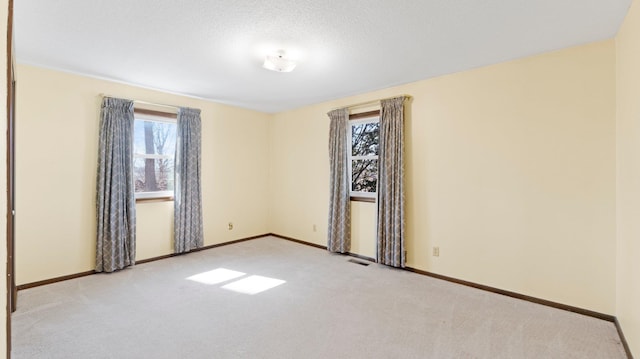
214	49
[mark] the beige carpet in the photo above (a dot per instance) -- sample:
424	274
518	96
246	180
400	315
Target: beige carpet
326	307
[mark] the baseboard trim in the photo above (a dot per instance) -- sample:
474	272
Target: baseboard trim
142	261
587	312
54	280
322	247
528	298
153	259
623	339
230	242
298	241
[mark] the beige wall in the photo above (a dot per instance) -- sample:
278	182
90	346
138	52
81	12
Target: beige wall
3	173
510	171
57	141
628	177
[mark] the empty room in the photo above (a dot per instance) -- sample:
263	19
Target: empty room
353	179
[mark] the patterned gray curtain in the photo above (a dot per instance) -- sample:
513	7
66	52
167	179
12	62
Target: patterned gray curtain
116	204
188	232
339	238
391	220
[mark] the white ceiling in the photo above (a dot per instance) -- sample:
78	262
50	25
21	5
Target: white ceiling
215	49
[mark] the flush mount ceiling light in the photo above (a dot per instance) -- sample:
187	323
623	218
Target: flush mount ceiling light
279	62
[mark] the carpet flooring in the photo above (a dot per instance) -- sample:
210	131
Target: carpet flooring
313	304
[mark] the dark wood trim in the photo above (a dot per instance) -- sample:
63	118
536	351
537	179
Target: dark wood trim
153	259
367	114
298	241
231	242
590	313
587	312
142	261
11	294
362	199
322	247
627	350
144	111
55	280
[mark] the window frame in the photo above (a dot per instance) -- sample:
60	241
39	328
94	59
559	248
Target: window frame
161	117
357	119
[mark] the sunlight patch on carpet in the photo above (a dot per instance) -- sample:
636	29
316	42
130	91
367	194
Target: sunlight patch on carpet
253	284
216	276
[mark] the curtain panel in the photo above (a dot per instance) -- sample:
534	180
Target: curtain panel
339	229
188	229
391	187
115	203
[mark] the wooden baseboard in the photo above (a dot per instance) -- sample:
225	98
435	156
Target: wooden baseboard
548	303
528	298
627	350
230	242
587	312
298	241
54	280
142	261
322	247
590	313
153	259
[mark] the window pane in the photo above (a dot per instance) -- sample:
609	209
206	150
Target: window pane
364	175
151	137
364	139
154	144
153	174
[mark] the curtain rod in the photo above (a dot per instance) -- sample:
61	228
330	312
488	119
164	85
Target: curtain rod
372	102
144	102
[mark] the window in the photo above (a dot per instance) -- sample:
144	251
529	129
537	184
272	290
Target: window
363	133
154	147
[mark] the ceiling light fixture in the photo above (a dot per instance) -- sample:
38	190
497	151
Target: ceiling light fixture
279	62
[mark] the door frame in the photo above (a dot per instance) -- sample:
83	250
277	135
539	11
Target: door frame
11	95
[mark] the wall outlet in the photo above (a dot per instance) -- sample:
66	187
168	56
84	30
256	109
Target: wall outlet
436	251
315	228
230	225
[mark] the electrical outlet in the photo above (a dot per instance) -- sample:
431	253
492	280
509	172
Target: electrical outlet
315	228
230	225
436	251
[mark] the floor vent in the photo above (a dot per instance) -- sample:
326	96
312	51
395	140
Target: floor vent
358	262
